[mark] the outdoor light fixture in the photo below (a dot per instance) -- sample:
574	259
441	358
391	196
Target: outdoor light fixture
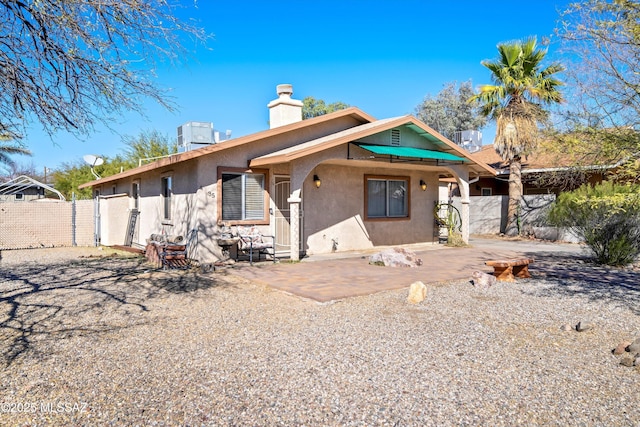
317	181
423	185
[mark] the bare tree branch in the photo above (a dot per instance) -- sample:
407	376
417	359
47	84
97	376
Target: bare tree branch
72	64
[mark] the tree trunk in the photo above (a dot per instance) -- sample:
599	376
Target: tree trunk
514	226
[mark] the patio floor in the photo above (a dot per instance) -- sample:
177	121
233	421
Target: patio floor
326	278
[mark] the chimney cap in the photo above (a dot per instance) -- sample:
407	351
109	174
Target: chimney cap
284	90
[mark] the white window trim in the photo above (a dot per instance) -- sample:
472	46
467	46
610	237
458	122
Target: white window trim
163	177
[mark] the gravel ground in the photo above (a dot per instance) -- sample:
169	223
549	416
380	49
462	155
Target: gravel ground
103	340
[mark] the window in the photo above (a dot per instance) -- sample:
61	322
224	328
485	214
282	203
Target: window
243	196
19	196
386	197
166	195
135	194
485	191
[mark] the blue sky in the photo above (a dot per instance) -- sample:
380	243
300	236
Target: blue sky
381	56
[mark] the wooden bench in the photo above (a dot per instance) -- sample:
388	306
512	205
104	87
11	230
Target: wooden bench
174	256
506	270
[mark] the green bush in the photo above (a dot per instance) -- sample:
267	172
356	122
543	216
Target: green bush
606	216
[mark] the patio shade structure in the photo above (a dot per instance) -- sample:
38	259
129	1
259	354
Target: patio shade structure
411	152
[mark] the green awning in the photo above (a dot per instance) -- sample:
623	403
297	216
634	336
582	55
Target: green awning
411	152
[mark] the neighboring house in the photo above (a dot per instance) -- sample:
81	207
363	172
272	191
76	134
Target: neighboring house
541	173
25	189
338	182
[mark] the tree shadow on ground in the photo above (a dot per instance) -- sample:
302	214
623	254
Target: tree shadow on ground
92	296
578	275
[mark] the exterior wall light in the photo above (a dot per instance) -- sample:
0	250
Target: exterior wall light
423	185
316	180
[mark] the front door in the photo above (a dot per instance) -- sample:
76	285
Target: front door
281	214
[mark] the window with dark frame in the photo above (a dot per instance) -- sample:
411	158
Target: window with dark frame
387	198
167	191
243	196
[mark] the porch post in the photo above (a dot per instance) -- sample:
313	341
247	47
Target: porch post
465	211
294	224
461	174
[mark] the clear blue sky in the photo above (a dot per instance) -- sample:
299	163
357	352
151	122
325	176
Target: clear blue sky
381	56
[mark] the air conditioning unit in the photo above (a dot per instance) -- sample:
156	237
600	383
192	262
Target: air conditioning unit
195	133
471	137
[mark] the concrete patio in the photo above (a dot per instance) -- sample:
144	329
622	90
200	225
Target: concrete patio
331	277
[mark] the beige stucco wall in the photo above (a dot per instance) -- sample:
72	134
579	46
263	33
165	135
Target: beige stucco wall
114	214
335	212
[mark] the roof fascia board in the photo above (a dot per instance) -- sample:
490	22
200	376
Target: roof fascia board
181	157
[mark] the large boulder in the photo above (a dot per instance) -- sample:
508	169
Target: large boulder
395	257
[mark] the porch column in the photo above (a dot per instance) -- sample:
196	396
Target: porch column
294	224
461	174
465	211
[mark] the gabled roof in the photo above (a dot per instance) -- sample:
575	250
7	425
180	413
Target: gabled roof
353	112
365	130
369	126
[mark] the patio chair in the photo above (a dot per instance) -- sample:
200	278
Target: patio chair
251	241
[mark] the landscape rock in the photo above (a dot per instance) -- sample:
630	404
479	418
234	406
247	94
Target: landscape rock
566	327
396	257
584	326
621	348
627	361
634	347
482	280
417	292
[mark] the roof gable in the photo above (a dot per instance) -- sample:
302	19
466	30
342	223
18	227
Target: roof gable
435	139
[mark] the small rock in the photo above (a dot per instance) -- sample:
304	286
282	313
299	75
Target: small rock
634	347
636	360
627	361
483	280
621	348
417	292
566	327
584	326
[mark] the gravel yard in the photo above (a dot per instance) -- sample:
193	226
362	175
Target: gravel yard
104	340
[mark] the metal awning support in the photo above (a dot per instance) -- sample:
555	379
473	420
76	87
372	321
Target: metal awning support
21	183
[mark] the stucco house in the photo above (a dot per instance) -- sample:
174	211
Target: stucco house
338	182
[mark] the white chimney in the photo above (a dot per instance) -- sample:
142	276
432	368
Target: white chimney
284	110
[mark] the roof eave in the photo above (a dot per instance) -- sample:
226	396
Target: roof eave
181	157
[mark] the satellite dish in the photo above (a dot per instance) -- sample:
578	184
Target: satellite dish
92	160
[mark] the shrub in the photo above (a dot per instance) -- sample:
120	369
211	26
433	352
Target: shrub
606	216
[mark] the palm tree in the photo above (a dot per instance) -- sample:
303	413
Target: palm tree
515	102
7	149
